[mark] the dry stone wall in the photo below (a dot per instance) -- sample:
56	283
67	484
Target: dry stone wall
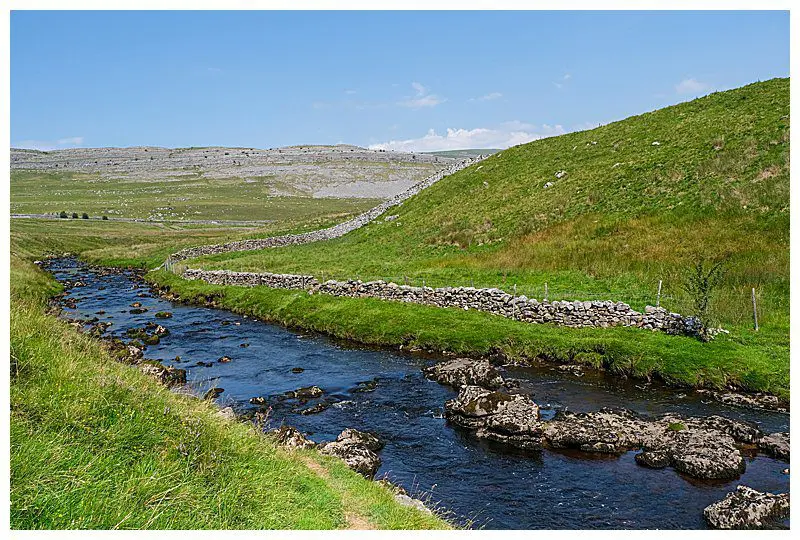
323	234
576	314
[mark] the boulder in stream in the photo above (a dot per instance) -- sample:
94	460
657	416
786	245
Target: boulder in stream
357	449
465	372
699	447
775	445
497	416
747	508
307	392
166	375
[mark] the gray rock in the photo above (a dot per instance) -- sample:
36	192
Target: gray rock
465	372
497	416
291	437
405	500
747	508
775	445
357	450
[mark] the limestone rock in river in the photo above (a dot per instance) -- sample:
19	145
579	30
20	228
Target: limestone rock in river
497	416
465	372
607	430
747	508
213	393
776	445
653	459
168	376
291	437
357	449
307	392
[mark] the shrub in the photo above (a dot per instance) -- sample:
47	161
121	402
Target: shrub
105	218
74	215
63	215
700	283
85	216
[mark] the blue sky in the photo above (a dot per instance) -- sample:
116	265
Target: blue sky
403	80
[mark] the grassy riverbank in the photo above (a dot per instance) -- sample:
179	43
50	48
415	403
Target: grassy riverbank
97	444
624	351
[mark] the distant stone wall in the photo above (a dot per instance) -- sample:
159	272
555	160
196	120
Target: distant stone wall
576	314
323	234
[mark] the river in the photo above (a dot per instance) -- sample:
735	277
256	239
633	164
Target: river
479	485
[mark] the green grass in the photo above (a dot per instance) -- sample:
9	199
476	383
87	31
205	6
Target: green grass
624	351
115	243
95	444
189	197
627	214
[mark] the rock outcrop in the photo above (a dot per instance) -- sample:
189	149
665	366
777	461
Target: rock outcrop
166	375
698	447
291	437
775	445
465	372
357	449
747	508
497	416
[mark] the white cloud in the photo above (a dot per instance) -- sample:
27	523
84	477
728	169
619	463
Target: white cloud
562	81
487	97
66	142
505	135
349	92
691	86
422	98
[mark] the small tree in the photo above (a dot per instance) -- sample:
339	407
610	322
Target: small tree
700	283
105	218
63	215
74	215
85	216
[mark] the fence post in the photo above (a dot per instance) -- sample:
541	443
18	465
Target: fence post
423	290
755	315
658	297
545	291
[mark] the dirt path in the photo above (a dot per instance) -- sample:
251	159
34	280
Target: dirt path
355	521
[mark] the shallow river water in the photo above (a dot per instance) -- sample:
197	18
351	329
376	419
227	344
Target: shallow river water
485	486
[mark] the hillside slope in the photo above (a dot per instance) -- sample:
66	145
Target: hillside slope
640	201
630	204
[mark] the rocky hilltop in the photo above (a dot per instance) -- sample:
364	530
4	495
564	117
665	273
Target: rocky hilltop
318	171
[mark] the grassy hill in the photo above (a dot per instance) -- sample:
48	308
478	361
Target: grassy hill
604	213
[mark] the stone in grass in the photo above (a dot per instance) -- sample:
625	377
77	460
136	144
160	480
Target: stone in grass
747	508
357	449
291	437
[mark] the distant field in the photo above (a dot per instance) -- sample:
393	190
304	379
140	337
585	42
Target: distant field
182	198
